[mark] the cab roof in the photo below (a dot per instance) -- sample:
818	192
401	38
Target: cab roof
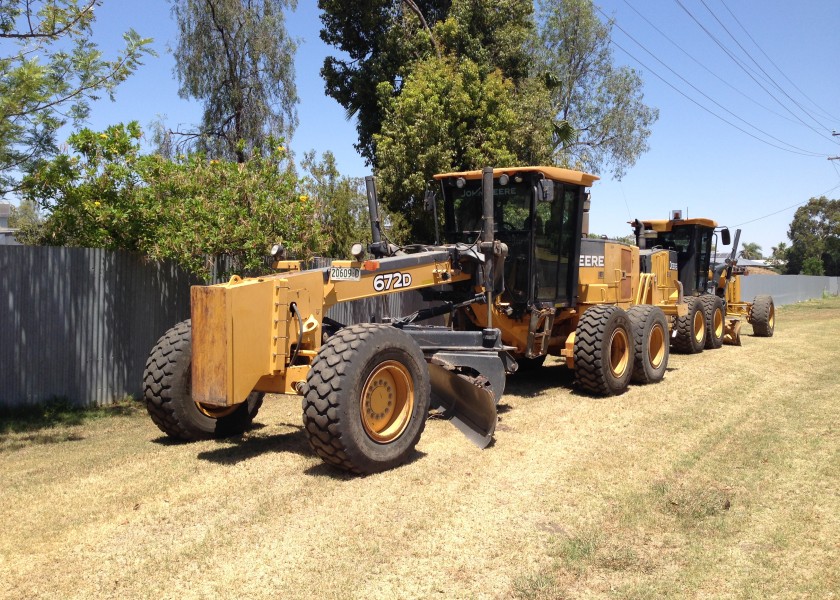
553	173
668	225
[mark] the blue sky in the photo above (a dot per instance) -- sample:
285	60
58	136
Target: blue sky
697	162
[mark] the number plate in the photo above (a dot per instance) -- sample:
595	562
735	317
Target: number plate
345	274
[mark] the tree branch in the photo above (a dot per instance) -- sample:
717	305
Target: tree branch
54	33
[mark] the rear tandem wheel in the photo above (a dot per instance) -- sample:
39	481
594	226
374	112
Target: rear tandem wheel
366	398
650	342
603	350
690	330
715	314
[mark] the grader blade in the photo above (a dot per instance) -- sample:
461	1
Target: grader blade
468	403
732	332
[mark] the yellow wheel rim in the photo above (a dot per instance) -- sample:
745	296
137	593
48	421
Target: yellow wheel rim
619	352
656	348
699	325
387	402
215	412
772	320
718	324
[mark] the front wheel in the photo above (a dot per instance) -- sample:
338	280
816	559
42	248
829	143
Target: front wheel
650	341
603	350
167	383
366	398
763	316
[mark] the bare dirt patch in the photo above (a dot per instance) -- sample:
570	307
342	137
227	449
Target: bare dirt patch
722	481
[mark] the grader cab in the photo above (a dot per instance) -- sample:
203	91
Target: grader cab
514	279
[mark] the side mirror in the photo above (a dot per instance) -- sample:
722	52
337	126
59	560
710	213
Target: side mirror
724	236
545	190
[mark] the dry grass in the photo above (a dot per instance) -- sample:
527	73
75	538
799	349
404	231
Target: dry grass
722	481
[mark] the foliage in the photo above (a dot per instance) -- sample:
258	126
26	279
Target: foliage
27	219
448	117
779	256
340	204
815	238
750	251
813	266
600	120
379	42
50	71
237	57
440	86
108	195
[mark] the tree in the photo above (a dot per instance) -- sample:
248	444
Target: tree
238	59
27	219
600	120
106	194
379	41
385	40
50	72
750	251
779	257
448	117
815	238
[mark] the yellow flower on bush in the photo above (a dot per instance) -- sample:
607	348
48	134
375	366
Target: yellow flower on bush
303	198
97	203
104	136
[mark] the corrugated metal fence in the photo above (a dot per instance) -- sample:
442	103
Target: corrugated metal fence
789	289
78	323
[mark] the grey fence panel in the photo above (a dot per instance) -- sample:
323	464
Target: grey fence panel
788	289
78	323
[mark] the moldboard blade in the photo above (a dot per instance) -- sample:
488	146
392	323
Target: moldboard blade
470	405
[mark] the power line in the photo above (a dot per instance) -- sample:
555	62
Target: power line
741	65
796	149
760	68
770	60
797	205
707	69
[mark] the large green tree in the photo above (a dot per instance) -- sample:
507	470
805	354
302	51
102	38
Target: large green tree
237	58
50	71
815	238
601	122
378	42
448	117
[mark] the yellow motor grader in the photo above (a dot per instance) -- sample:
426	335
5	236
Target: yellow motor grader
513	278
713	291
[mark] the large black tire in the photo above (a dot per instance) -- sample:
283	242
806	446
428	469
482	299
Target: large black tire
651	347
604	350
166	391
715	313
690	330
763	316
366	398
